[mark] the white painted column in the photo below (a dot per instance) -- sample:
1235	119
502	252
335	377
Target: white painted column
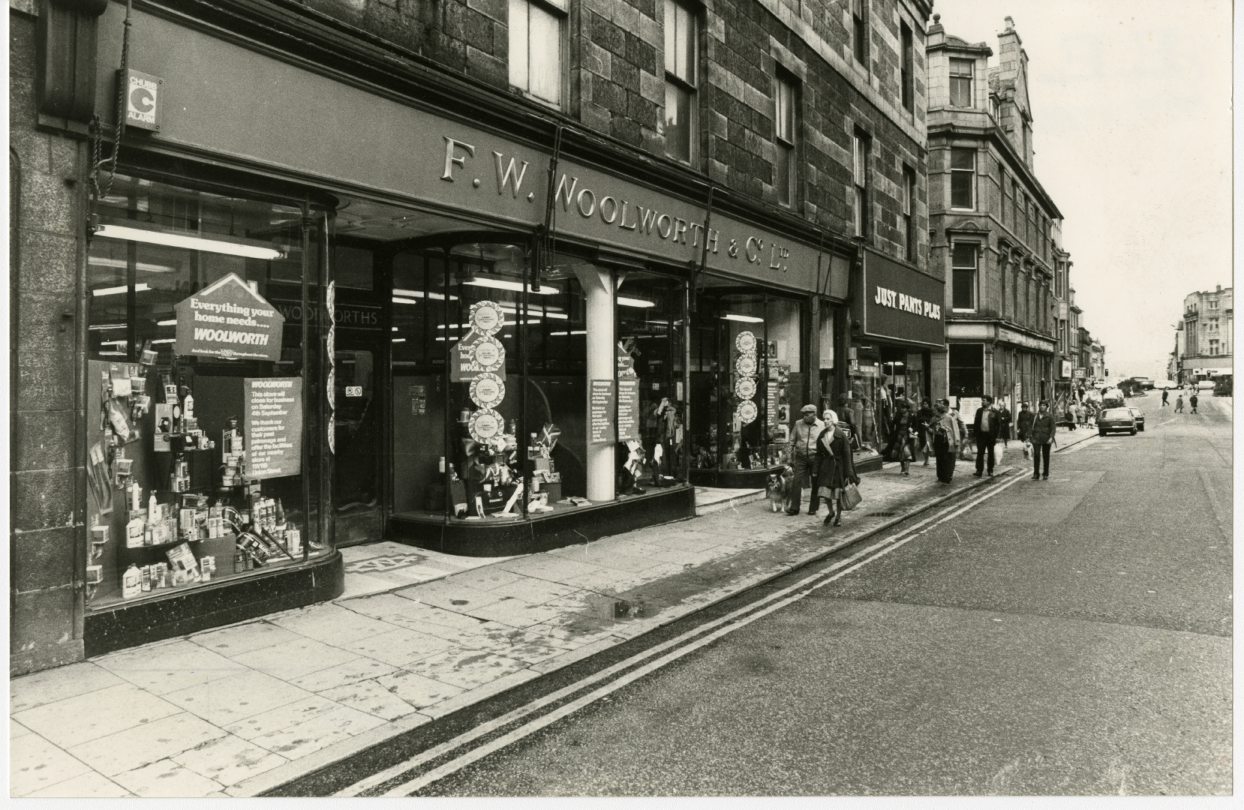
602	361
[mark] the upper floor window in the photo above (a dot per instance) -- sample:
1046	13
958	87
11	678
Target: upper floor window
963	276
536	48
784	101
963	178
909	216
995	107
961	72
907	71
859	175
859	30
681	81
1005	189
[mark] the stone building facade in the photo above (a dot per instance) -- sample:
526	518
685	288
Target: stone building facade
1207	327
800	123
993	224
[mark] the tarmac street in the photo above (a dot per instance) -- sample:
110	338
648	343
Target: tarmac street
997	635
1065	637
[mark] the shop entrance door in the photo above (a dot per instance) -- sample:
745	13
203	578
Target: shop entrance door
358	357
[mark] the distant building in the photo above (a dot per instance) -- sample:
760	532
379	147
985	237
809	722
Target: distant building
992	223
1208	321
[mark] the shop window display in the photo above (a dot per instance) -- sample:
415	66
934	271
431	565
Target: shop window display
746	372
200	435
520	425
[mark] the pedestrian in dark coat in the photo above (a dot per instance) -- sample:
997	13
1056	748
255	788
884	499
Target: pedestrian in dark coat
1192	402
946	439
1004	425
1023	423
985	429
835	467
1042	437
925	418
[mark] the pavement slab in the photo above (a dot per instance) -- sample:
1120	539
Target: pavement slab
397	647
466	669
418	690
330	622
166	779
87	786
321	731
52	685
145	744
88	717
179	665
352	671
37	764
243	638
237	697
229	759
281	718
370	697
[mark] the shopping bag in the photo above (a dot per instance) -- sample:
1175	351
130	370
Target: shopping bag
999	450
1027	449
851	497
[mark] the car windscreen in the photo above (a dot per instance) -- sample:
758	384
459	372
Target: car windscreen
1117	413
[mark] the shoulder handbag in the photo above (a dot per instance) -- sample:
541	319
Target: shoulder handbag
851	497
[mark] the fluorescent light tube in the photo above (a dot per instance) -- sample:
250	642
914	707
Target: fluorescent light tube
122	264
730	316
512	286
164	340
106	327
637	303
180	240
102	291
435	296
571	332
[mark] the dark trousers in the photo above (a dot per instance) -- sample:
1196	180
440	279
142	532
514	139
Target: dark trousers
1040	454
945	465
805	470
984	451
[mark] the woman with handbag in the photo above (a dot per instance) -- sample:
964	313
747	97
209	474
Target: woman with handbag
835	468
946	439
904	438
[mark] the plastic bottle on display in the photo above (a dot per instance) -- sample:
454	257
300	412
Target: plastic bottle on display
131	582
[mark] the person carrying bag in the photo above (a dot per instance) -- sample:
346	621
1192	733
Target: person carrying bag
835	470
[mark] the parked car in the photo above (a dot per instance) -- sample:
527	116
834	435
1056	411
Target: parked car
1114	420
1139	416
1205	385
1222	387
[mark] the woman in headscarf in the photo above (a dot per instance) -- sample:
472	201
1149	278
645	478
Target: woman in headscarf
835	467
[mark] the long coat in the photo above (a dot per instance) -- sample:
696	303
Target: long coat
1042	429
834	464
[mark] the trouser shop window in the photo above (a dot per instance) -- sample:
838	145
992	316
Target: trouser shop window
202	434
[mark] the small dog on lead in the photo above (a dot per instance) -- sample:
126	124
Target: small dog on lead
778	489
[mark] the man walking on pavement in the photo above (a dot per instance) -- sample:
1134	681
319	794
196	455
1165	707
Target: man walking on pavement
1179	403
1043	430
985	428
1023	422
803	457
1192	402
1165	396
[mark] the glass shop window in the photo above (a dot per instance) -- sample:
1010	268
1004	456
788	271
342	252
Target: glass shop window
201	430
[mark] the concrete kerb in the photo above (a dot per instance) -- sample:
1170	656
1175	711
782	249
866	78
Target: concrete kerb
352	746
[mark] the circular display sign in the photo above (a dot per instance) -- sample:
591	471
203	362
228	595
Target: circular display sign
489	354
487	390
487	317
745	388
745	342
745	365
746	412
485	424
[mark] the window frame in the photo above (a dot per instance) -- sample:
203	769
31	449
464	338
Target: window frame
559	11
960	151
861	147
786	86
975	270
909	209
675	82
956	80
907	67
860	31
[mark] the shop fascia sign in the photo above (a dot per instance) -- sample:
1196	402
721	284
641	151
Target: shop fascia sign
595	205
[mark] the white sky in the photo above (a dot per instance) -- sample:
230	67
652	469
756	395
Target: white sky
1132	131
